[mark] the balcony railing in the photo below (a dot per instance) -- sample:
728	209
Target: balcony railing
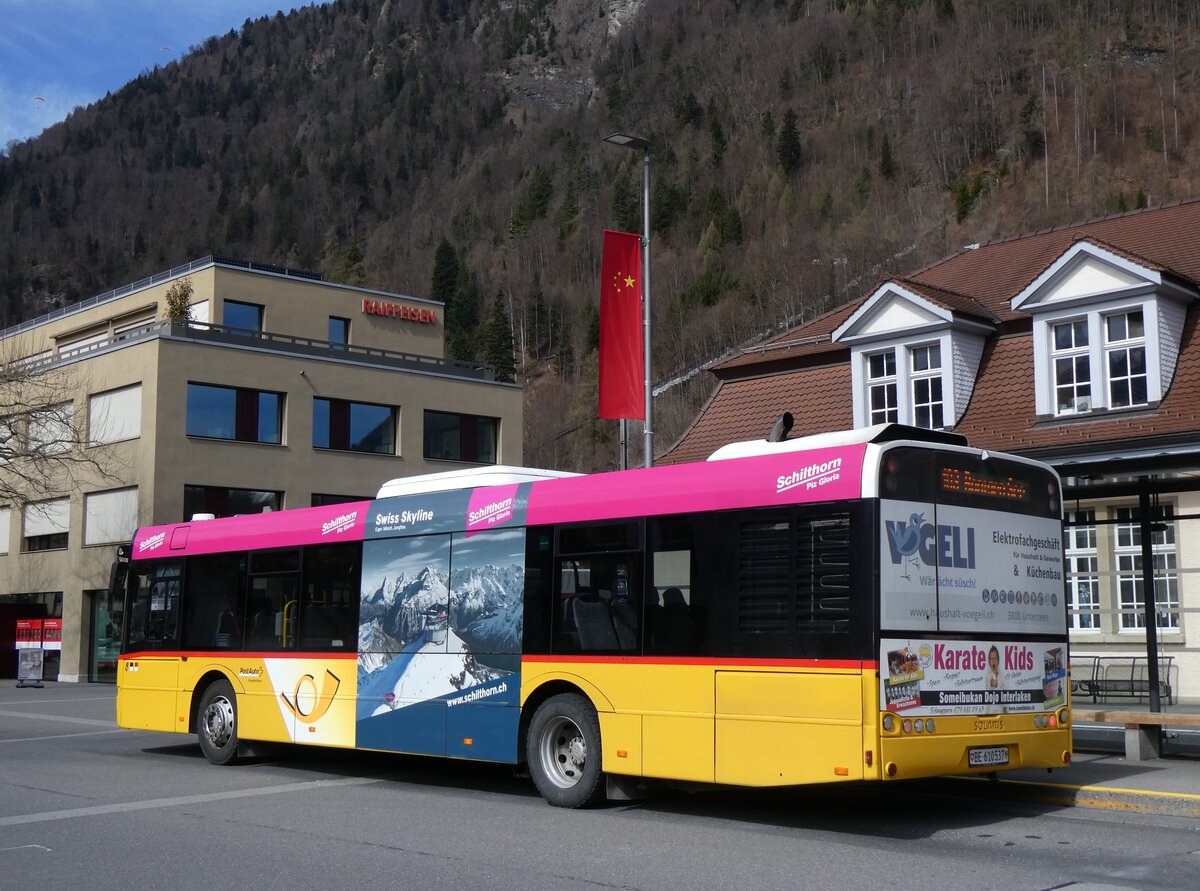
282	344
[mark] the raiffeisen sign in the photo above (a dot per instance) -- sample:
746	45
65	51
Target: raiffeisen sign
400	311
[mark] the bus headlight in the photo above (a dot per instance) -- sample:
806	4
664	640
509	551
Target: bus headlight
1064	717
919	726
889	724
929	725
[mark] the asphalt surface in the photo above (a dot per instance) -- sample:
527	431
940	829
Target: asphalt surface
83	803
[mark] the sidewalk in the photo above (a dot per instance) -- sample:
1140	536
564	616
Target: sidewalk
1169	785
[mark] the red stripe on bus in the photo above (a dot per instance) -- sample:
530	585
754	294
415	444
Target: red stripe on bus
234	654
856	664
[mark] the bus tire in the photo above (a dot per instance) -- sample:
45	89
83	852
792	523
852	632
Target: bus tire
216	723
563	751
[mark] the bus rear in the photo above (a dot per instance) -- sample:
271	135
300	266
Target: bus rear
972	630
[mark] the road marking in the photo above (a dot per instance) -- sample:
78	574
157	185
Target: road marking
63	736
126	807
25	848
91	722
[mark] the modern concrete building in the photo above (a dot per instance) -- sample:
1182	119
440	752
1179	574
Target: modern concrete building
282	391
1077	346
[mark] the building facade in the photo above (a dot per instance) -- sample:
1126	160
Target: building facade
1076	346
280	391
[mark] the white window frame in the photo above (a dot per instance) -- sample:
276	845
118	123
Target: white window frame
1126	345
1083	573
886	384
41	518
1127	565
5	528
1074	356
931	375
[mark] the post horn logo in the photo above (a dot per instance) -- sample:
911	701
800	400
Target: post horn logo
321	700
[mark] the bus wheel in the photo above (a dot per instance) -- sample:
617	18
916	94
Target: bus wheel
563	751
216	723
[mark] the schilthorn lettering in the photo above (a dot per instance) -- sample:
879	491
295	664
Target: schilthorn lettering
152	542
490	513
810	473
339	524
940	545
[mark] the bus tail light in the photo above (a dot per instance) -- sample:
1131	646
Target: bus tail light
907	725
870	758
929	725
1066	756
841	771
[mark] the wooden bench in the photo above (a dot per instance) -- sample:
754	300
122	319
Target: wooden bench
1119	677
1143	730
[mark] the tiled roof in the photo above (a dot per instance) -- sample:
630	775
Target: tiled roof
760	384
818	399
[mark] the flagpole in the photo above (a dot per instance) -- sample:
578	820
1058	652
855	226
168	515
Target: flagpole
625	140
648	447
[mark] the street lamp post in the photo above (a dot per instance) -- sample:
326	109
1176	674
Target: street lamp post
637	142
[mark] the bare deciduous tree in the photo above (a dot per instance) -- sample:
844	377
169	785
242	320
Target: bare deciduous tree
44	439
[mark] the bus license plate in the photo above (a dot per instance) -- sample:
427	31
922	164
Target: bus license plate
987	757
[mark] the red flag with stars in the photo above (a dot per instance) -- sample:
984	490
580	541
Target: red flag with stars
622	362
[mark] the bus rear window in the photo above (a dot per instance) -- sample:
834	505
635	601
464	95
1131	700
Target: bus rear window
963	480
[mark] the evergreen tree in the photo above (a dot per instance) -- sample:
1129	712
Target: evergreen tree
498	342
788	146
887	165
539	342
445	273
462	315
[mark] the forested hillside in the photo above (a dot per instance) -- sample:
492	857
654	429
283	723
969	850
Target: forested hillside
801	150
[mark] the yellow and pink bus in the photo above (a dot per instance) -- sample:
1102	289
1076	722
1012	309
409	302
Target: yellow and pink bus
880	604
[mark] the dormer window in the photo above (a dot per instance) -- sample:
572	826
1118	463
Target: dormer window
1072	367
904	384
1107	329
926	378
1125	348
915	351
881	387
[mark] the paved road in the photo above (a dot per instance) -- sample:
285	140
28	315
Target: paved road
85	804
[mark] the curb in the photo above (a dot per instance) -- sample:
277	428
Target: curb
1114	798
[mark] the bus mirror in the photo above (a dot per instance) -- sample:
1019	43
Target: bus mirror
116	579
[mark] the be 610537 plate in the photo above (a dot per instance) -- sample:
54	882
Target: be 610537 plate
987	756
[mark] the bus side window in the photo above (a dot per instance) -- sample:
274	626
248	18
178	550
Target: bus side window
329	605
215	601
599	592
154	606
675	617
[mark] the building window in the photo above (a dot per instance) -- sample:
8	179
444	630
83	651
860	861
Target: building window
223	502
1083	571
354	426
926	379
46	524
1127	555
115	416
1072	368
454	437
321	499
110	517
339	331
234	413
247	316
882	404
50	431
1125	354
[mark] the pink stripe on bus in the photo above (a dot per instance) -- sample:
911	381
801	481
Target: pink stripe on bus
287	528
830	474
